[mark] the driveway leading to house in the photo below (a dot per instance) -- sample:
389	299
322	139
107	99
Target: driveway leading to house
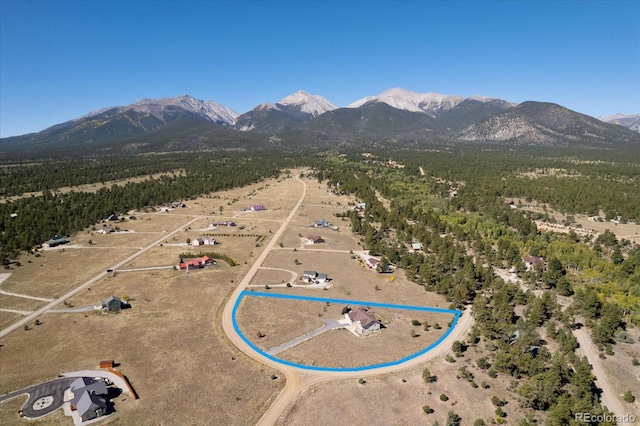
329	324
54	389
299	379
23	321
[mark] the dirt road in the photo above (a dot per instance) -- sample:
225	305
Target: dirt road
87	283
298	379
608	397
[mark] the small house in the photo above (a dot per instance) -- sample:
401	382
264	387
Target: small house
416	246
321	278
89	398
112	304
314	239
203	241
534	262
197	263
223	223
309	276
177	205
258	208
362	322
361	206
105	230
321	224
372	262
113	217
55	241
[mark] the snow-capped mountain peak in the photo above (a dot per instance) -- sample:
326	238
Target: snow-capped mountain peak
430	103
630	121
310	104
208	110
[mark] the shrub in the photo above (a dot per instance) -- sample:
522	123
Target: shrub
628	396
444	397
497	401
479	422
492	373
635	361
449	358
426	375
362	381
483	364
427	409
415	323
436	326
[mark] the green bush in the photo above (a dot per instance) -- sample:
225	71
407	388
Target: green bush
628	396
444	397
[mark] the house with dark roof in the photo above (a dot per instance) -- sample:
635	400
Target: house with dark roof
112	304
534	262
55	241
362	322
321	224
223	223
314	239
258	208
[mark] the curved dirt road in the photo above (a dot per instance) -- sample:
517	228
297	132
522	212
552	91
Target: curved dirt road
296	378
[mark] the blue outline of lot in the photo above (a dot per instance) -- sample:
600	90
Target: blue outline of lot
244	293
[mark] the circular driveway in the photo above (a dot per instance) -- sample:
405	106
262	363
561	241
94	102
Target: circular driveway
43	398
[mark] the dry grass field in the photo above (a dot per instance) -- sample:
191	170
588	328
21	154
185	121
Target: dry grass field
623	375
169	345
397	399
55	272
352	281
341	348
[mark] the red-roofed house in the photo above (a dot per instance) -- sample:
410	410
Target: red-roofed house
372	262
314	239
197	263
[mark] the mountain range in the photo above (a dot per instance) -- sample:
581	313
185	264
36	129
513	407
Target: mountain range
301	120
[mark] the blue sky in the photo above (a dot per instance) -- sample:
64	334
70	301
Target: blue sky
60	59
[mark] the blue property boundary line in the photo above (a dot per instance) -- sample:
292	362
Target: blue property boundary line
244	293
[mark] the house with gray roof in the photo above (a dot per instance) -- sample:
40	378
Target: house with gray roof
112	304
89	398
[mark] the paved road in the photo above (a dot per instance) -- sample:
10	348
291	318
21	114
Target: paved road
21	322
54	388
298	379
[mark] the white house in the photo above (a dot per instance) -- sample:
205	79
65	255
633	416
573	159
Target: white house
105	230
309	276
362	322
203	241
